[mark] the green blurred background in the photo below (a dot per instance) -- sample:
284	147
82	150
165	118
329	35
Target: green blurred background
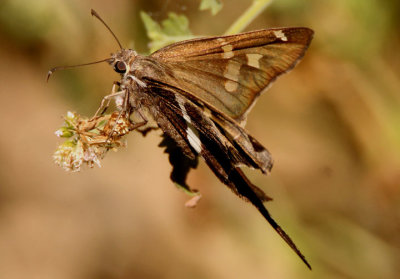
332	126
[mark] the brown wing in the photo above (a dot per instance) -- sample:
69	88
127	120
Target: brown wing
219	152
228	73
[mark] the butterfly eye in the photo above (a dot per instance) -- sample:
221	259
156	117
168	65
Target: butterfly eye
120	67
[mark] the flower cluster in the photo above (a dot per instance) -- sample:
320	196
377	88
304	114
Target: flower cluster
88	140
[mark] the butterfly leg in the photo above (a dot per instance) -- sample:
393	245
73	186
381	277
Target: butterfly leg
103	107
137	125
125	112
148	128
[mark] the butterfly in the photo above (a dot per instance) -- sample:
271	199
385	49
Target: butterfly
199	92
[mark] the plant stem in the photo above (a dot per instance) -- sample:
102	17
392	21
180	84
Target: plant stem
257	7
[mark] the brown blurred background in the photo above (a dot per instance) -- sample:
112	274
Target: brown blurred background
332	125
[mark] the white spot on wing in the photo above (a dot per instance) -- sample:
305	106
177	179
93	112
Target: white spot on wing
253	60
279	34
183	109
191	132
232	72
193	137
228	53
231	86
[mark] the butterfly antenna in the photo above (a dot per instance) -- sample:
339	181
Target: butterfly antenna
52	70
94	13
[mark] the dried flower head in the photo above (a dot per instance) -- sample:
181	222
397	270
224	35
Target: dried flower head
89	139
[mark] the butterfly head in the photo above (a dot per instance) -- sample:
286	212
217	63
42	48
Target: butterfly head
122	60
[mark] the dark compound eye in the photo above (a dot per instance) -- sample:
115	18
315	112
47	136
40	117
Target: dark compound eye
120	67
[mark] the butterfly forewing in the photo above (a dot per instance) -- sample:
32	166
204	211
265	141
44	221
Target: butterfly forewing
228	73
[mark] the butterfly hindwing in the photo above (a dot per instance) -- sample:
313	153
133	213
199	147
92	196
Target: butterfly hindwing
196	133
181	164
216	149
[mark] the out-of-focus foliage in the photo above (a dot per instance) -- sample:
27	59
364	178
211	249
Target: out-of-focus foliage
332	126
14	15
248	16
213	5
171	30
